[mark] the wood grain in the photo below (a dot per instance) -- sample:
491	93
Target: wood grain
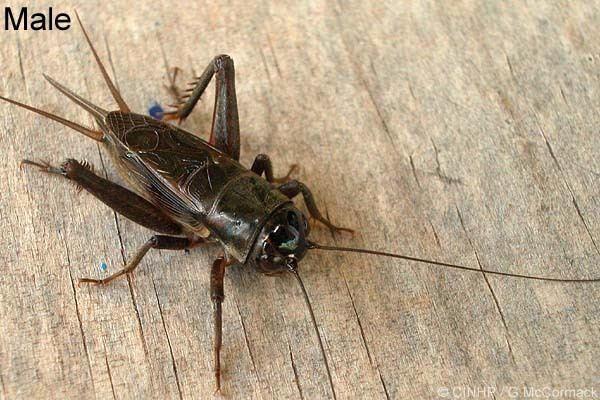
463	131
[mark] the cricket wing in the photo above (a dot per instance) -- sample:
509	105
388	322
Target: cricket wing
173	168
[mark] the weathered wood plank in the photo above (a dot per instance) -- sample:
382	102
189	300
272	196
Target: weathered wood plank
461	131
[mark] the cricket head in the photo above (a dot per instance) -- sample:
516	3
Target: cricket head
282	242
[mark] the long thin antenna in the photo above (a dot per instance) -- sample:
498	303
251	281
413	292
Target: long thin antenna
317	246
113	90
294	271
96	135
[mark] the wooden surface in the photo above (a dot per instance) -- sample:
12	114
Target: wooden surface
461	131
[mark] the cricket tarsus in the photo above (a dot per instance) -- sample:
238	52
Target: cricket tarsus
293	188
44	166
313	245
155	242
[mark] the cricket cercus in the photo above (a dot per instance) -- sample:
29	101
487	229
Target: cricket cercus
195	192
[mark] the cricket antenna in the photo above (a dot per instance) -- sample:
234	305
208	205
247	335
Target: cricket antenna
293	268
113	90
312	245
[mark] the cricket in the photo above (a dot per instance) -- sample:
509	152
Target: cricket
193	192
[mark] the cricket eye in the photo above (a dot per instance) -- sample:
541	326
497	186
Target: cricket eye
297	220
293	220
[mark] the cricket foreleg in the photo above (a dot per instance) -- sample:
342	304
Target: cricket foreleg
217	295
155	242
292	188
225	132
262	163
120	199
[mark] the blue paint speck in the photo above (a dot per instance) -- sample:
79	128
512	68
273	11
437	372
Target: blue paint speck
103	266
156	111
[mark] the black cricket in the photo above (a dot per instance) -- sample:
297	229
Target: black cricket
195	192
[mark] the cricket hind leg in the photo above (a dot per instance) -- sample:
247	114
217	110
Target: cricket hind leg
155	242
225	132
292	188
120	199
127	203
262	164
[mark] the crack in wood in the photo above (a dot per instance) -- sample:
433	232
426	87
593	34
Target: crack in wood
438	170
20	57
361	79
414	171
510	67
562	94
162	319
487	282
110	379
566	182
296	377
247	341
264	61
385	390
360	327
275	62
320	339
435	234
78	313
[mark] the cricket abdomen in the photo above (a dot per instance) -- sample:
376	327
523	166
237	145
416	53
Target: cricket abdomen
193	182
